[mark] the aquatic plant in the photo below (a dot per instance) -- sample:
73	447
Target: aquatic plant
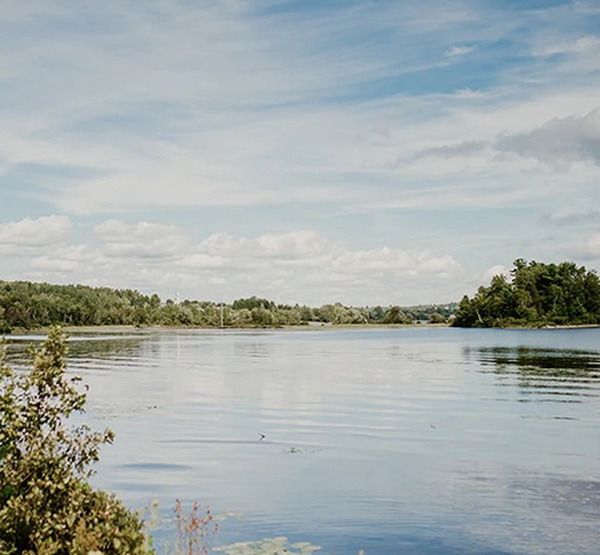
194	531
269	546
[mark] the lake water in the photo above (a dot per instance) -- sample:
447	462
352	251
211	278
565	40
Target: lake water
428	441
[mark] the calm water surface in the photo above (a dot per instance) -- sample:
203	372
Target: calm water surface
394	441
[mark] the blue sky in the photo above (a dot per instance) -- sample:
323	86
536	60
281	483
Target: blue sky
308	151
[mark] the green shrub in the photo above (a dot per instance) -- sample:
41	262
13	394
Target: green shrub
46	505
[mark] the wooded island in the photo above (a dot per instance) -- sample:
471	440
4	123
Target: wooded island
537	295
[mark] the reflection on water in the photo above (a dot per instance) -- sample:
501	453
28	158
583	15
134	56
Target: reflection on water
94	347
394	441
565	374
544	362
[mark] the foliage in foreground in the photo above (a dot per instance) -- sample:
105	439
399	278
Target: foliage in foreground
538	295
46	505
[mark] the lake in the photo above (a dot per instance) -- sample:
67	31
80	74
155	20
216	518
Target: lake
404	441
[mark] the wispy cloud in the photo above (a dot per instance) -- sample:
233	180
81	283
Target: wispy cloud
355	120
458	51
569	216
557	143
587	249
228	103
589	44
560	142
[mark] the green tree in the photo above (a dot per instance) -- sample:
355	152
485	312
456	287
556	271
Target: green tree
46	505
436	318
262	317
539	294
395	315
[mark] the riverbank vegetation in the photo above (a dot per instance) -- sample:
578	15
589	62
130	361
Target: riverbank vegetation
47	506
27	305
536	295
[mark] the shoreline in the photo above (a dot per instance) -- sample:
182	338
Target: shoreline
299	327
571	327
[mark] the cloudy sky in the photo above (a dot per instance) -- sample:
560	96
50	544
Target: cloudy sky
381	151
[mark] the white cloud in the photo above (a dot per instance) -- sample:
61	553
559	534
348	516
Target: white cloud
301	266
322	118
303	247
559	142
40	232
72	260
309	250
572	216
484	278
307	267
497	270
201	261
587	7
296	245
469	93
458	51
581	45
586	249
257	121
141	240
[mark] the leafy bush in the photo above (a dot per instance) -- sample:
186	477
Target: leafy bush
46	505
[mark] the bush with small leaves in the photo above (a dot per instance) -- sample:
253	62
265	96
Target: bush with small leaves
46	505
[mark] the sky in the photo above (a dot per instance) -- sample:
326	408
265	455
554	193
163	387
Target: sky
307	151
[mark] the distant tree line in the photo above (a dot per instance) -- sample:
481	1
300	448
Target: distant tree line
28	305
536	295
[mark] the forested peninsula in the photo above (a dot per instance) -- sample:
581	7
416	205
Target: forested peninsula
26	305
536	295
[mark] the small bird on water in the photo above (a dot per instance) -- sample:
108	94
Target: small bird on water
262	436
